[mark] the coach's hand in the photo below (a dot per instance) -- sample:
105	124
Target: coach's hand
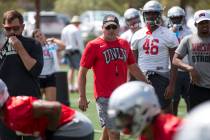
83	103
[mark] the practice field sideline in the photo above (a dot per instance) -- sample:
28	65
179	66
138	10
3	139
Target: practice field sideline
91	112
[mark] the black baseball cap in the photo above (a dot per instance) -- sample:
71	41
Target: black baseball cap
110	20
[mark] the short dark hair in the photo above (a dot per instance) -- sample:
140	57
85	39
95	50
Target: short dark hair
11	15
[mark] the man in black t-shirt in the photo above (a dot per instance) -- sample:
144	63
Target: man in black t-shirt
21	62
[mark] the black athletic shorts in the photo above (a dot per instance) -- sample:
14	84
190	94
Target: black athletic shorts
47	81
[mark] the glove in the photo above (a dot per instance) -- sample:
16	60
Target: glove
49	134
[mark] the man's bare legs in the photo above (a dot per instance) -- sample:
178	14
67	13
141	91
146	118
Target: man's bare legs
72	78
104	135
109	135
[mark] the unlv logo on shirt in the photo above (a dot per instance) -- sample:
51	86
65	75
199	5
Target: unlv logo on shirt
7	50
114	54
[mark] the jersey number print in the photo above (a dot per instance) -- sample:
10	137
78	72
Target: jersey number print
151	49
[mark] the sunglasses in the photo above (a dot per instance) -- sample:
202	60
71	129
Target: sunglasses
114	27
14	28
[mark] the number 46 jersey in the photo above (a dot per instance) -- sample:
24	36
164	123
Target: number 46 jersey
153	48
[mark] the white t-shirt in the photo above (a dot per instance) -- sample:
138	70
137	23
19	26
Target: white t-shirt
127	35
71	36
153	49
50	59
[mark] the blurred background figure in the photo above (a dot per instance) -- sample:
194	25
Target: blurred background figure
177	24
133	21
196	125
71	36
21	63
196	47
137	112
47	77
50	120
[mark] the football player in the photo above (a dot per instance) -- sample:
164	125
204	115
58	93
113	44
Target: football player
135	109
154	47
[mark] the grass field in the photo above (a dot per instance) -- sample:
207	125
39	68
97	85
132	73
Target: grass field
91	112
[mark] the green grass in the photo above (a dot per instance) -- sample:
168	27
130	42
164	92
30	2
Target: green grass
91	111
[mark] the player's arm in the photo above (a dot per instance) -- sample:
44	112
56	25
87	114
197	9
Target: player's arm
135	53
181	52
173	67
172	80
137	73
50	109
177	61
83	103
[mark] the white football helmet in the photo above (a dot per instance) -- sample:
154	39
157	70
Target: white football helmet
132	18
152	12
176	16
3	38
131	13
132	106
196	125
3	93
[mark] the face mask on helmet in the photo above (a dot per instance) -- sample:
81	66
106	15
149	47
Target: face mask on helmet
176	17
152	18
134	121
133	23
152	13
176	22
122	122
132	117
132	18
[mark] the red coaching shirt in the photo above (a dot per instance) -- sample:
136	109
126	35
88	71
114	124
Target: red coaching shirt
109	61
164	127
18	116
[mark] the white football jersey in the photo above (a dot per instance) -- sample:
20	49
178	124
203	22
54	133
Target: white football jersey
153	48
127	35
181	34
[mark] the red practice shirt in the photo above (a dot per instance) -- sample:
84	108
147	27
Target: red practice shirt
18	116
164	127
109	61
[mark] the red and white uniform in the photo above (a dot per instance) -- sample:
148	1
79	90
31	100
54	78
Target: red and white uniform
153	54
18	116
109	61
164	127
